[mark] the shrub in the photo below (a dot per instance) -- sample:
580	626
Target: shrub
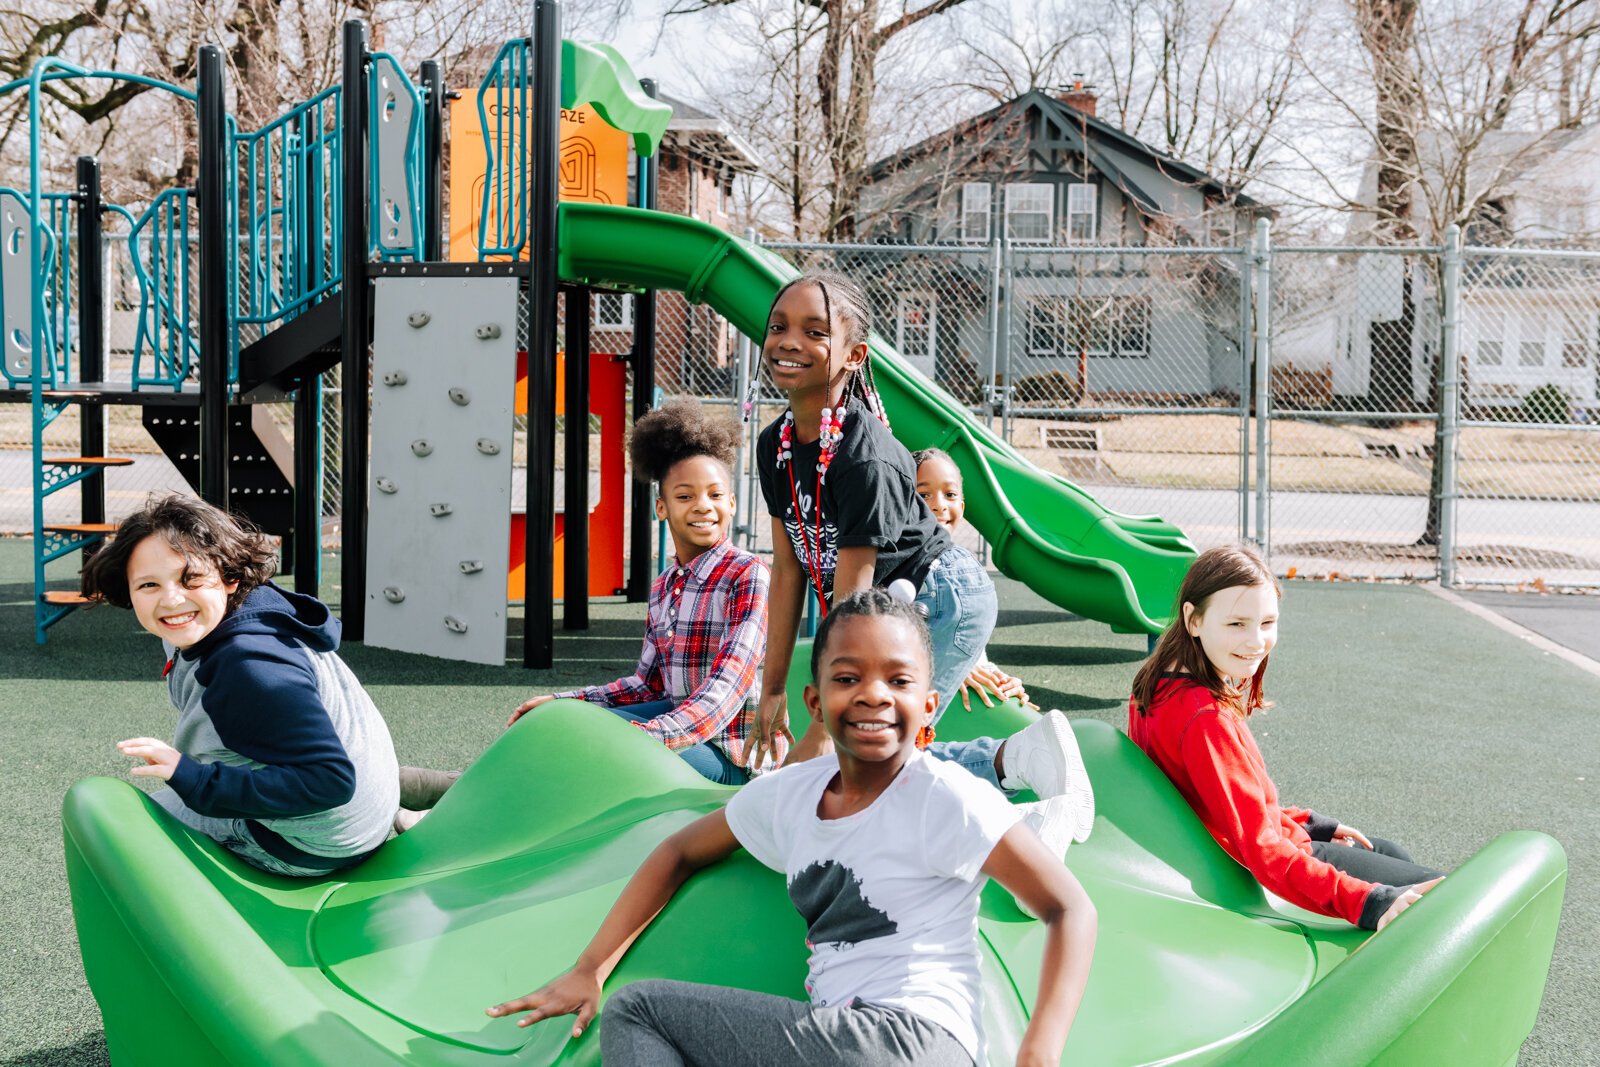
1548	403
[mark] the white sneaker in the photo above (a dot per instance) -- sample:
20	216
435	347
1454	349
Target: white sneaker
1056	822
1044	757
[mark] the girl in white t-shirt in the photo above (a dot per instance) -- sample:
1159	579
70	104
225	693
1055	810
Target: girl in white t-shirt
886	872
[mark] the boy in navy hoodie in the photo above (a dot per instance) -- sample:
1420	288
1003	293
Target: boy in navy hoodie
279	754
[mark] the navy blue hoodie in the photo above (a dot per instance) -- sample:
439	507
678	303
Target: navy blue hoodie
276	730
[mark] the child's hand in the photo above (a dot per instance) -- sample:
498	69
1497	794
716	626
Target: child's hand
772	722
1405	900
575	993
528	705
986	680
1349	835
160	758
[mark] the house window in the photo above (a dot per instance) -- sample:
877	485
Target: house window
915	324
975	198
1530	354
1114	327
1574	339
725	197
1491	334
613	311
1082	212
1046	327
1030	212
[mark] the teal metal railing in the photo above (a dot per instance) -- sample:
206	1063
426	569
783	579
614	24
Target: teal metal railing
504	117
163	253
286	188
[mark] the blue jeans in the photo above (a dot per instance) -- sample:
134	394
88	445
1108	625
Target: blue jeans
958	601
708	759
231	834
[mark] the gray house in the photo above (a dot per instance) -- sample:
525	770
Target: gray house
1079	204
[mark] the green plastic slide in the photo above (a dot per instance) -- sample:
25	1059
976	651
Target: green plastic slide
196	959
1043	530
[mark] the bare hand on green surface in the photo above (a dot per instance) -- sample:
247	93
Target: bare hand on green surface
577	992
986	680
1405	900
527	706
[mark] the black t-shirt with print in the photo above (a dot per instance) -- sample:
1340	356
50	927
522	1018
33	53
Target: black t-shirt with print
869	498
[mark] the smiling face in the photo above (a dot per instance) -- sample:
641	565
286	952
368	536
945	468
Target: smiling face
1237	630
872	693
181	609
939	485
802	350
697	503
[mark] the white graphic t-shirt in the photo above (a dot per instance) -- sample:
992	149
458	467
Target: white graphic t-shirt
889	894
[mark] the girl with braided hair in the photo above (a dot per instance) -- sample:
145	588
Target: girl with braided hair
842	494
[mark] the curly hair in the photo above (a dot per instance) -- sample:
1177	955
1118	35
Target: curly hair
869	603
680	429
922	455
208	538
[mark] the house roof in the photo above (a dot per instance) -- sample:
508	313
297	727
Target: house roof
1074	123
709	134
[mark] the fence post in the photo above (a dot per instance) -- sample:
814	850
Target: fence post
1449	403
994	332
1263	278
1246	342
215	266
1003	341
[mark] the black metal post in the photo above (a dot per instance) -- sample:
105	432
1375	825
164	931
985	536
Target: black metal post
575	570
307	545
91	331
215	266
433	161
538	647
354	359
643	358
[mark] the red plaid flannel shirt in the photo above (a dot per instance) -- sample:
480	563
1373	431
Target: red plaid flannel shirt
704	641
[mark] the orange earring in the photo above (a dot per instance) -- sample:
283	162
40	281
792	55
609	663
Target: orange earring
925	736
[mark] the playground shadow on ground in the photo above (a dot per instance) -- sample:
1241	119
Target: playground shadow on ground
88	1051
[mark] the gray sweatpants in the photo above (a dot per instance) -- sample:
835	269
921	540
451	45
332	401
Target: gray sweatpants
658	1023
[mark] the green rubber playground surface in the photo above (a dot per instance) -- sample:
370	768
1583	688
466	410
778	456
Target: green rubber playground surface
1398	712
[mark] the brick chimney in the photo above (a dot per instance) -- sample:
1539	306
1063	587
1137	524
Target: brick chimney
1080	97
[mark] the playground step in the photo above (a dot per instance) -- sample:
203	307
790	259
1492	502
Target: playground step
82	529
300	349
88	461
63	598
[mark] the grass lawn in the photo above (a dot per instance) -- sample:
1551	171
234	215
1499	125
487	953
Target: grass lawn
1397	712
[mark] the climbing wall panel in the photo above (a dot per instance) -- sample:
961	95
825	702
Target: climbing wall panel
444	365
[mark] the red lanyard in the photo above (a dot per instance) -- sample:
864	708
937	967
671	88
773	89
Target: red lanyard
813	568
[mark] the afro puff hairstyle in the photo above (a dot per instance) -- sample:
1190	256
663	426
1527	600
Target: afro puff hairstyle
678	430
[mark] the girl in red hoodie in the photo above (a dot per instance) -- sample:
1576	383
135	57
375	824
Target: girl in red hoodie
1189	712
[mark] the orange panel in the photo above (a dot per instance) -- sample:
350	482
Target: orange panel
608	380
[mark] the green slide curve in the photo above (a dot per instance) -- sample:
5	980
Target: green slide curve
597	74
1043	530
195	958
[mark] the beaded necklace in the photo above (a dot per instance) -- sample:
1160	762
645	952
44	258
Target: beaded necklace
829	434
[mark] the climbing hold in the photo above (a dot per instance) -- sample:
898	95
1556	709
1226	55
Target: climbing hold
393	594
460	396
488	447
418	319
386	485
422	447
395	377
471	566
440	510
454	625
488	331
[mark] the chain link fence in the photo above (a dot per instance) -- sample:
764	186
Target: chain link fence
1139	373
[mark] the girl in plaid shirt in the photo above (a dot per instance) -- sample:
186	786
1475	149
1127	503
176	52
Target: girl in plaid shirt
707	626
